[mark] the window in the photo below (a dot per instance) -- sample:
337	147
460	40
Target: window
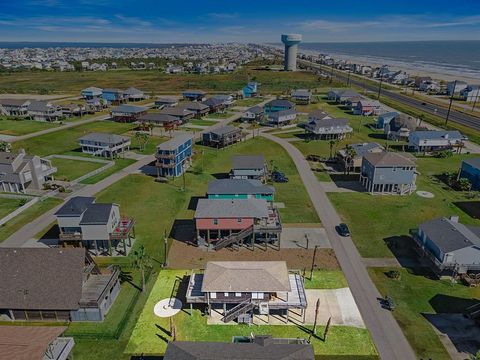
238	294
239	220
215	221
225	294
213	295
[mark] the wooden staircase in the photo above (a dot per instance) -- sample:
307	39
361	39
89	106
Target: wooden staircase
233	239
238	310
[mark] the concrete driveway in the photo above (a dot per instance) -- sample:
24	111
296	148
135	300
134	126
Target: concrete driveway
296	238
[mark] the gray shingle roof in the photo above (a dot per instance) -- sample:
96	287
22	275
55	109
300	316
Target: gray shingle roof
41	278
390	159
239	186
281	113
246	276
213	102
175	142
40	106
474	162
129	109
248	162
13	102
194	91
133	91
105	138
188	350
75	206
194	106
256	110
279	102
96	214
318	114
176	111
438	134
157	118
449	235
320	123
242	208
223	130
301	93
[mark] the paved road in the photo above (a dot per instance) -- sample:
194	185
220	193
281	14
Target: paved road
430	108
386	333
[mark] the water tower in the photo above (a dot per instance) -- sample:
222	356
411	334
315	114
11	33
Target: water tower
291	42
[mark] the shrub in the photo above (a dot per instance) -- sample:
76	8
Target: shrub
393	274
443	154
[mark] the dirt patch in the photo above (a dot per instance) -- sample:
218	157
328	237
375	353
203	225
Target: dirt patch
184	256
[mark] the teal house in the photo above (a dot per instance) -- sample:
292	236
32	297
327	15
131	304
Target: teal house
250	90
239	189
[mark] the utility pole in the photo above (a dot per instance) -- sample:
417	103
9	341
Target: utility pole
451	100
313	262
348	78
379	88
331	73
476	98
165	240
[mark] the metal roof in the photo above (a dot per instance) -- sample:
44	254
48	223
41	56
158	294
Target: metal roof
239	186
438	134
174	143
279	102
246	276
281	113
255	109
222	208
157	118
105	138
248	162
129	109
223	130
450	235
474	162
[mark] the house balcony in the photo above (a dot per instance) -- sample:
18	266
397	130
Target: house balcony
165	156
170	165
71	236
270	224
123	230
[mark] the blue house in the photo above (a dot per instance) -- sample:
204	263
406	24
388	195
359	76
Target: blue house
113	96
250	90
278	105
175	155
239	189
91	93
470	170
385	119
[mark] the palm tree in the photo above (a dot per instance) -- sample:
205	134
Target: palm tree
142	138
331	143
141	261
350	155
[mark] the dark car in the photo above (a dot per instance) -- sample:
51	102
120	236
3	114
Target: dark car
343	230
279	177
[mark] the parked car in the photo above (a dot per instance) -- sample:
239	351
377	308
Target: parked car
343	230
279	177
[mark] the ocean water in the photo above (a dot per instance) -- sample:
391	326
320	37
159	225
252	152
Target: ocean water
460	58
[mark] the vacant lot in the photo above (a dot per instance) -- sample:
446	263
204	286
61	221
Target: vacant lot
69	170
66	140
415	293
8	205
153	81
22	127
151	332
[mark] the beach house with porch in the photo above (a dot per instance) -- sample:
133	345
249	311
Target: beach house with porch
388	173
20	172
278	105
367	107
134	94
44	111
250	90
165	102
282	118
254	113
240	290
168	122
55	284
194	95
328	128
435	140
113	96
14	107
249	167
224	222
106	145
91	92
99	227
222	136
301	96
127	113
175	156
450	247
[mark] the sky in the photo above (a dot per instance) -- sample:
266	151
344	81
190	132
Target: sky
261	21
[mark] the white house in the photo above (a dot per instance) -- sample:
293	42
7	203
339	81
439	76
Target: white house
432	140
282	118
106	145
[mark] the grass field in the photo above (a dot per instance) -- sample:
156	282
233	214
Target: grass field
219	115
22	127
25	217
149	333
248	102
151	146
8	205
415	294
201	122
67	140
69	170
154	81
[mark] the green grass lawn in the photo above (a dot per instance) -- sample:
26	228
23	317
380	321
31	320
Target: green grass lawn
25	217
8	205
119	165
325	279
151	146
373	218
219	115
415	294
69	170
201	122
341	340
66	140
22	127
248	102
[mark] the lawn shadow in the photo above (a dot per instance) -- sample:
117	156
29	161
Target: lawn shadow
183	230
127	277
221	175
192	204
165	331
377	136
163	338
53	233
447	304
149	170
402	247
472	208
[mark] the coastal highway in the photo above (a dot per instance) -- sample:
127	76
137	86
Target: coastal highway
440	111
